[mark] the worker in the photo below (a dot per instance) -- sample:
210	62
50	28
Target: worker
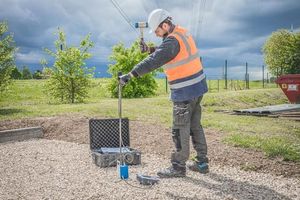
178	55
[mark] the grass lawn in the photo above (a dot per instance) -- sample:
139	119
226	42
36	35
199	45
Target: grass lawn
274	136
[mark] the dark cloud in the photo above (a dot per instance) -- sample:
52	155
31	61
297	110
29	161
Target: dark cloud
233	30
263	24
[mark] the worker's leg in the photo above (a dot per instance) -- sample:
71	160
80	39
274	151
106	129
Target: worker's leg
181	136
197	133
198	138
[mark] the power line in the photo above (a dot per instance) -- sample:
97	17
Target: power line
196	15
123	14
157	4
145	7
200	16
191	20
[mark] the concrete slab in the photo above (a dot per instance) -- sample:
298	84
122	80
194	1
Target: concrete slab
21	134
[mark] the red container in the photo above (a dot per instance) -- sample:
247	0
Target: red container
290	85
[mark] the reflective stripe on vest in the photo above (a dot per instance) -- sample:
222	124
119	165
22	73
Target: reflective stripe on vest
186	68
188	48
182	62
187	83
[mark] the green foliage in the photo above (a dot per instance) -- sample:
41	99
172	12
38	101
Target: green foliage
16	74
26	74
125	59
37	74
7	52
282	52
69	78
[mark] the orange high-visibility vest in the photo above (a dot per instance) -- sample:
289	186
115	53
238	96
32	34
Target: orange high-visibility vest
186	68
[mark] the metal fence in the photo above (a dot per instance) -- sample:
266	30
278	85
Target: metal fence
226	77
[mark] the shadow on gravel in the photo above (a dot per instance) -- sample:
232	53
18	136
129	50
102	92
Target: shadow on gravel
10	111
237	189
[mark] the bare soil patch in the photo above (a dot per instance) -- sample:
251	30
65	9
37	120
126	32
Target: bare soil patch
156	139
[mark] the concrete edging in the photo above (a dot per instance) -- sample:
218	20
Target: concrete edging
21	134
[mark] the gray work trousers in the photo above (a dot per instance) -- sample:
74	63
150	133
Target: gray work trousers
186	123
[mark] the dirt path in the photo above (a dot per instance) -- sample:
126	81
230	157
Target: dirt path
155	139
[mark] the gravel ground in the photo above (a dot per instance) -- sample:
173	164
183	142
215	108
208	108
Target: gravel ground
156	139
50	169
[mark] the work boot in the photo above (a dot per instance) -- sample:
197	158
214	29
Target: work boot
201	167
172	172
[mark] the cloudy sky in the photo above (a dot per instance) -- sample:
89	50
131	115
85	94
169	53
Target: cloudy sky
233	29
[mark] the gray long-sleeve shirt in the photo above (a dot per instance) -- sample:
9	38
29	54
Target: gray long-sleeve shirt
162	55
167	51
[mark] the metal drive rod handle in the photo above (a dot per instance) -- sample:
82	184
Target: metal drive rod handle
120	118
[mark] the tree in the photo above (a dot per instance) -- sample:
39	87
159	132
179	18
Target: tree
26	74
282	52
37	74
69	78
16	74
125	59
7	53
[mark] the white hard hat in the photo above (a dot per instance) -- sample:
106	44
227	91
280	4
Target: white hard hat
156	17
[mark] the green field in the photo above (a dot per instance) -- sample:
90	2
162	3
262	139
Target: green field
274	136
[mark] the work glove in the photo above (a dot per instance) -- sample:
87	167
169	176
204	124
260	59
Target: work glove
143	46
123	79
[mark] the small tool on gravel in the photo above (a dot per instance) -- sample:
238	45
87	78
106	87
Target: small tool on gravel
147	180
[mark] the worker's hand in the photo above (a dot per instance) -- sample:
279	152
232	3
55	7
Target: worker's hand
123	80
143	46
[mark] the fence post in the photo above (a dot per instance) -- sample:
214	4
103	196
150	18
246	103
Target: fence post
263	76
277	75
166	85
225	74
218	85
246	77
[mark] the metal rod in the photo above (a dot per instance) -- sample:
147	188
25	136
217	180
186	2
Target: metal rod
142	34
120	119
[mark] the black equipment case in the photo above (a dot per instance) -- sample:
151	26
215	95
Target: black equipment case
104	143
